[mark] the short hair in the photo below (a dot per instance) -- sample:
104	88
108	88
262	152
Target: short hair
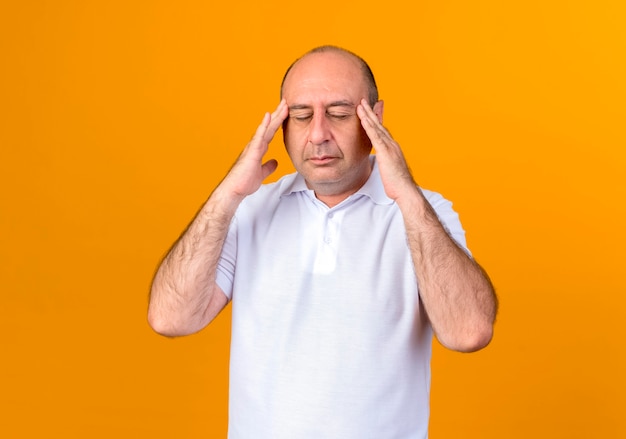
368	75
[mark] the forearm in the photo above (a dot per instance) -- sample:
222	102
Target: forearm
183	293
456	293
184	296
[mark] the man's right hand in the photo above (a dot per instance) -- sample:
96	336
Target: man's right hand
184	295
248	172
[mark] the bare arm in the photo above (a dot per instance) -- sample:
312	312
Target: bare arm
184	297
456	292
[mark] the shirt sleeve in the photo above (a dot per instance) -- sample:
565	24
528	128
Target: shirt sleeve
448	217
226	264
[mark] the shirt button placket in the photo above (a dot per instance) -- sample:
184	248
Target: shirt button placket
331	227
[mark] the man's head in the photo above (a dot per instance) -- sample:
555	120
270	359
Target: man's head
368	75
323	133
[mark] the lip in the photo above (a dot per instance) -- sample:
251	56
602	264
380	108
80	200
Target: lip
322	160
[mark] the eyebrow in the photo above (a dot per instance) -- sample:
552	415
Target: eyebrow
332	104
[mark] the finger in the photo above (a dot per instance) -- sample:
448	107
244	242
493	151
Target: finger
366	113
262	128
257	146
377	133
281	112
268	167
366	109
268	127
271	122
276	120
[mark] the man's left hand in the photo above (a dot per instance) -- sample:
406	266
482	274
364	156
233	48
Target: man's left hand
394	171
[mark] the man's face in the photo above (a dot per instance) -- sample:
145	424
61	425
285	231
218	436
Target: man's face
323	134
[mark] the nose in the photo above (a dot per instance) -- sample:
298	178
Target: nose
319	129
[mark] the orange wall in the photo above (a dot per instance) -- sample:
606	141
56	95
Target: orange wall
118	118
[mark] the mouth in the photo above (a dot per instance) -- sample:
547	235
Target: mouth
322	160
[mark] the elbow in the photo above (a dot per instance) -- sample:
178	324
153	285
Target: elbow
472	340
478	341
160	326
166	321
164	326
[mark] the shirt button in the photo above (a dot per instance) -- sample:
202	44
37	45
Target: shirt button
330	215
327	240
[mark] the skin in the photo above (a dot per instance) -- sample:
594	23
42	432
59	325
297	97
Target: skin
324	137
329	130
456	292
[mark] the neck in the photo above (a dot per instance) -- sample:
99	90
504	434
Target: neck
333	192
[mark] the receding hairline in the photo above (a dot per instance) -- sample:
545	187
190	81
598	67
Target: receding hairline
368	75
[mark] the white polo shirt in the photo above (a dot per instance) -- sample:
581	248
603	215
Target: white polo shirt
329	338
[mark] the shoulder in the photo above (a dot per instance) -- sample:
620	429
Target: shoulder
436	200
448	217
442	206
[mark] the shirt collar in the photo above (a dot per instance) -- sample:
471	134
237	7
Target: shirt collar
373	187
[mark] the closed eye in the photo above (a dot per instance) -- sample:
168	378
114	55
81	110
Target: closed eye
340	110
339	116
301	117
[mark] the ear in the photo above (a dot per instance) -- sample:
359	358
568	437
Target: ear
378	110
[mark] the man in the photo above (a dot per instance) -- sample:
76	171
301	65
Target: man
338	274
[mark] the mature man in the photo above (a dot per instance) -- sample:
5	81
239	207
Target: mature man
338	274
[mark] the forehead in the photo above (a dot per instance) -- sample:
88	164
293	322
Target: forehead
325	76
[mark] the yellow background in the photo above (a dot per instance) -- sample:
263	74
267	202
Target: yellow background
118	118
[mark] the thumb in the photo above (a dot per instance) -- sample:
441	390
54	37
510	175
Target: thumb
268	168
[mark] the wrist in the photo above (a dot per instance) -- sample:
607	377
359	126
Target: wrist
222	204
417	211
